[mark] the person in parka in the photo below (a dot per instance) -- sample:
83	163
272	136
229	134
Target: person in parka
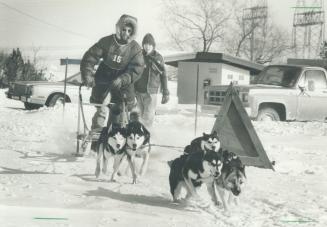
121	66
153	80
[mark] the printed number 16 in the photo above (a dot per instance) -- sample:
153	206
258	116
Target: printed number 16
117	58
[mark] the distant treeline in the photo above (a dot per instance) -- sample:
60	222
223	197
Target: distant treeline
13	68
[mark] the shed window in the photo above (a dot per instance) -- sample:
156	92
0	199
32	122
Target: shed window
212	70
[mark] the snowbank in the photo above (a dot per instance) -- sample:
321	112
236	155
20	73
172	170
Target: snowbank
40	178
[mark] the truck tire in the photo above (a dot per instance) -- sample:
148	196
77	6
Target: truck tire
57	99
268	114
31	106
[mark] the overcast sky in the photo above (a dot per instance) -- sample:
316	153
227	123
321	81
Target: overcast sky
68	27
82	22
74	22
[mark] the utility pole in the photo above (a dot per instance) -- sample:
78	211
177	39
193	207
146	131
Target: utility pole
308	28
255	20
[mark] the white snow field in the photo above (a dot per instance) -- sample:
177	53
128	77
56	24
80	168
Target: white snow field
43	184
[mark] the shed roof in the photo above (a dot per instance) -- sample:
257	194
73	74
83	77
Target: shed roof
210	57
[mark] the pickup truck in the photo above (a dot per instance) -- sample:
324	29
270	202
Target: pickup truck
280	93
35	94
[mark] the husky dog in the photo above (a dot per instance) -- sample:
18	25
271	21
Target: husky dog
137	145
232	178
191	170
111	143
205	142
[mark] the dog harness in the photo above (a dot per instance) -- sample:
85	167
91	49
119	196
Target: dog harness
111	149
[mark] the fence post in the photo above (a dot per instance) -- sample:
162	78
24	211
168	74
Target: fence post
65	82
196	99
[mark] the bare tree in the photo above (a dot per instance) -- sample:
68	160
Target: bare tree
272	43
196	24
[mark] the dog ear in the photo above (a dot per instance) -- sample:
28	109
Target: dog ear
214	133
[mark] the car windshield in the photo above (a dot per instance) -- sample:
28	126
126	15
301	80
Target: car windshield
74	79
285	76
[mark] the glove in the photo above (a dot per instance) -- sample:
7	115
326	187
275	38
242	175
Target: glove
165	96
117	83
165	99
89	82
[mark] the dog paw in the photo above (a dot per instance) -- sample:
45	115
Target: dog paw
218	204
204	204
177	201
134	181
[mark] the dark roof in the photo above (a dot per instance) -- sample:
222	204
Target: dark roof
213	58
308	62
288	65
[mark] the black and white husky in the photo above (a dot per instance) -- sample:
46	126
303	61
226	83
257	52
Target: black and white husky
137	145
232	179
189	171
205	142
111	143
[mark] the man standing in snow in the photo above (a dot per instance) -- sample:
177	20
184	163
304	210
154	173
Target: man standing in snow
121	66
153	79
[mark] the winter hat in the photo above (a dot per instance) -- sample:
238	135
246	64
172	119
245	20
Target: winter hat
126	20
148	39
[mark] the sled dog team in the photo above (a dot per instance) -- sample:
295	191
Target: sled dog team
117	142
203	162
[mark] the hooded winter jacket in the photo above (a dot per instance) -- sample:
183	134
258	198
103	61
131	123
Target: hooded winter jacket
118	60
154	75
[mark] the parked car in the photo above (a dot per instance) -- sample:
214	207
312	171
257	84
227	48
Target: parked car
281	92
35	94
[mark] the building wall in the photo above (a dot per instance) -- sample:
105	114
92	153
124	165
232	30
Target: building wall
186	82
217	73
187	77
230	73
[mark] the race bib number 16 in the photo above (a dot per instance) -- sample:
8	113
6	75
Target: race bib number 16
117	58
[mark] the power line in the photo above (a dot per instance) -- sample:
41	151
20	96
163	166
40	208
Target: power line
44	22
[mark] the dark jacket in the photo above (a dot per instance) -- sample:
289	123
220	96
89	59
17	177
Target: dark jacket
154	75
118	60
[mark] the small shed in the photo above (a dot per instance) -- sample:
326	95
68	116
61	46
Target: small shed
207	69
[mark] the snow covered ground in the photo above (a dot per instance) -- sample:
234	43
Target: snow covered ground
43	184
